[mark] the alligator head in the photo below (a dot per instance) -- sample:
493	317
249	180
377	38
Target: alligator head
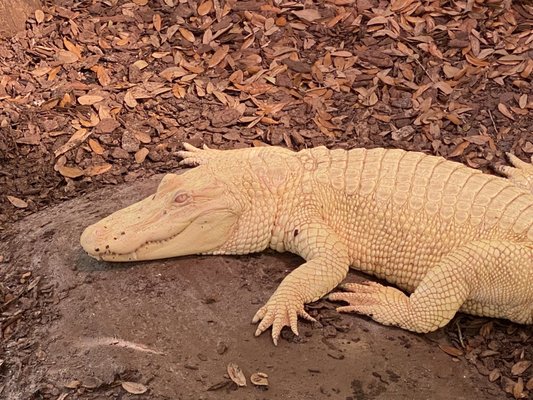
220	207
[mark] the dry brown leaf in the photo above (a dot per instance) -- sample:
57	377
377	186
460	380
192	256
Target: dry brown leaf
39	16
527	70
72	47
205	8
528	147
19	203
444	87
75	140
494	375
520	367
459	149
143	137
236	375
451	350
172	73
140	2
91	122
134	387
478	139
38	72
259	379
518	389
178	91
89	100
70	172
156	20
96	147
66	57
309	14
102	75
129	99
99	169
187	34
382	118
529	384
505	111
141	154
398	5
218	56
522	101
454	118
378	20
53	73
141	64
476	61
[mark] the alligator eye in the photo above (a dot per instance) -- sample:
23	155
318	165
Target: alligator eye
181	198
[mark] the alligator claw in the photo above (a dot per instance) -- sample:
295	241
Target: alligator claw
280	311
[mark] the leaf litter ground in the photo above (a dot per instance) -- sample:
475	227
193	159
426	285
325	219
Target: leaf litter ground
99	93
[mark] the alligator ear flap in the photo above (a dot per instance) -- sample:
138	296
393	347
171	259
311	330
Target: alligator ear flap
193	156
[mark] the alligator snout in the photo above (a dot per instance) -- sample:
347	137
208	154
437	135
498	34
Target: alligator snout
93	239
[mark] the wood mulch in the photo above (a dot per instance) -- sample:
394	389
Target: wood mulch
104	92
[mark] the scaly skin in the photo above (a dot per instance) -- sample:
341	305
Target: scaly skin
453	237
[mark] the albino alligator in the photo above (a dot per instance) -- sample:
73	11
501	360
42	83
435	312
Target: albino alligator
454	237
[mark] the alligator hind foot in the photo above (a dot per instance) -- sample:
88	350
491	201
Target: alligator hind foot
384	304
521	173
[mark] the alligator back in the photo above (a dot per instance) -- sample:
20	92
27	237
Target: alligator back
403	210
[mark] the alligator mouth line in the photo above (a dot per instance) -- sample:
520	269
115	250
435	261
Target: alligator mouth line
100	254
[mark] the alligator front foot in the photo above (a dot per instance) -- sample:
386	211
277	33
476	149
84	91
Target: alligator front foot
282	309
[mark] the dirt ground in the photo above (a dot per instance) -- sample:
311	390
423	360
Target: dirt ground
96	97
175	325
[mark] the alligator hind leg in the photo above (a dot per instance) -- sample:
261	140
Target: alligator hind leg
490	278
432	305
437	298
521	174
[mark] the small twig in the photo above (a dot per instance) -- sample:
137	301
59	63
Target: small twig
107	341
416	59
493	123
20	293
460	334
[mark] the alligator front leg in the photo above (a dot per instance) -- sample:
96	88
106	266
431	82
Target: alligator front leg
327	265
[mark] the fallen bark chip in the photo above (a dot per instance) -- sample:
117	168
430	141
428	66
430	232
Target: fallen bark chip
219	385
91	382
74	384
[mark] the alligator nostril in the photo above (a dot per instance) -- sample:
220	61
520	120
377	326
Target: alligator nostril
97	249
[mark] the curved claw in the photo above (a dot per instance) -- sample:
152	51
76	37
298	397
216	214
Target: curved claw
190	147
278	314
